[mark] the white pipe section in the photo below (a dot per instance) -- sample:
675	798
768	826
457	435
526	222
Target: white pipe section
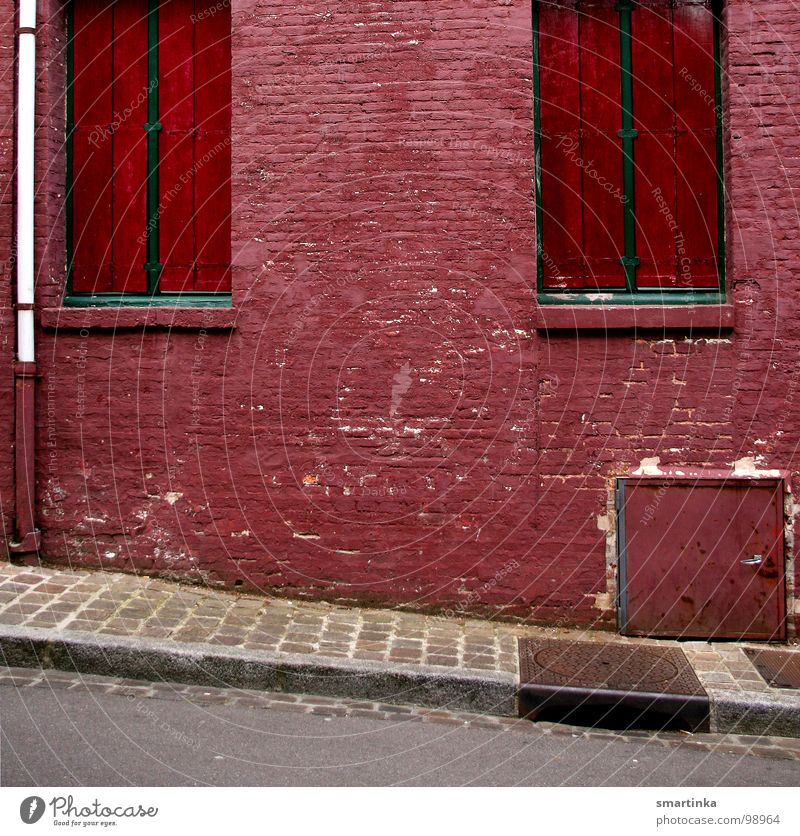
26	103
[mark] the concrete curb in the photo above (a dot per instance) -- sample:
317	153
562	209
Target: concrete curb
213	665
423	685
737	713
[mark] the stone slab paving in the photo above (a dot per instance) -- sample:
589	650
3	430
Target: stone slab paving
138	607
139	692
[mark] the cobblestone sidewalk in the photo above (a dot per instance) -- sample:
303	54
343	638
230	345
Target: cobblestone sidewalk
127	605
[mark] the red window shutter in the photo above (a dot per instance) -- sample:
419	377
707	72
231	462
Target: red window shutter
603	192
176	145
563	264
194	175
212	150
92	156
109	156
581	157
696	147
129	184
676	152
655	177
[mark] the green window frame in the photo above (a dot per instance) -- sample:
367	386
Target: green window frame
630	294
153	296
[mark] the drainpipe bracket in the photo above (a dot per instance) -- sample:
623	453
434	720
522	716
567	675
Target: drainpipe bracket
31	542
25	370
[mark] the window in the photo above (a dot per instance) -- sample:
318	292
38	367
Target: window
148	152
629	198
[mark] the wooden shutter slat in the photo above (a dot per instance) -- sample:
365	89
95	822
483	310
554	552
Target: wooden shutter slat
559	82
212	151
91	212
562	212
603	191
177	166
560	148
130	147
92	163
654	110
656	210
696	146
697	208
92	63
176	65
212	212
654	104
213	71
694	65
176	225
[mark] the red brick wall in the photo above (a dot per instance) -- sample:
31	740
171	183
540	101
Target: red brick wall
384	423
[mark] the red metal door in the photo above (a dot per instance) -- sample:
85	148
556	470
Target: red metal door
702	558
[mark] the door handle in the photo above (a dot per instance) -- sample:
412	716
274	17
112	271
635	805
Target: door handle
755	560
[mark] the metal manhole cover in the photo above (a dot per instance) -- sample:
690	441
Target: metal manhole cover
612	685
622	667
779	668
605	666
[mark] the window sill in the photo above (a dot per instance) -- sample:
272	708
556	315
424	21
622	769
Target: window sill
625	317
108	318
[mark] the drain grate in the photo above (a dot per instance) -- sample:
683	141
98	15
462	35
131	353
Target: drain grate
613	685
779	668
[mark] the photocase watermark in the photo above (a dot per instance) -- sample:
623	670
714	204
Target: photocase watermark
65	811
684	262
103	132
570	147
505	154
211	11
32	809
376	490
650	509
697	87
198	371
163	726
175	190
475	596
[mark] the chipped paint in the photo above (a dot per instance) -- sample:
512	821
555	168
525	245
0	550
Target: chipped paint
649	467
749	466
603	601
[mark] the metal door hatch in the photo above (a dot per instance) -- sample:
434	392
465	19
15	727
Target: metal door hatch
701	558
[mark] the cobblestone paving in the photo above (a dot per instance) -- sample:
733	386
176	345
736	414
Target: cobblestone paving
127	605
135	692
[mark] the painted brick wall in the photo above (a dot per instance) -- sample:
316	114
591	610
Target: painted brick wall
384	423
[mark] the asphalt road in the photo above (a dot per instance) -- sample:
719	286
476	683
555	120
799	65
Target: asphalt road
71	737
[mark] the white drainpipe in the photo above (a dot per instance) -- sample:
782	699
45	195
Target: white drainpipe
26	103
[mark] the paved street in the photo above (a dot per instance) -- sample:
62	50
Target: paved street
66	729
